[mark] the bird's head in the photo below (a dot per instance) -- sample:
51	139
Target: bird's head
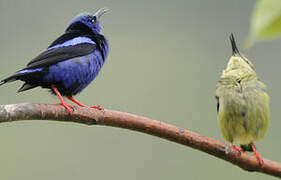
86	20
237	60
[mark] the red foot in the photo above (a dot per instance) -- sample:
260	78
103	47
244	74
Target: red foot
67	106
97	107
62	102
258	156
239	149
82	105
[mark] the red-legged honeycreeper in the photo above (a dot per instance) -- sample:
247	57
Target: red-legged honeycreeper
242	103
70	63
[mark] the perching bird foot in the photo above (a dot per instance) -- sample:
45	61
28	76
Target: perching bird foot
62	102
97	107
258	156
82	105
67	107
236	148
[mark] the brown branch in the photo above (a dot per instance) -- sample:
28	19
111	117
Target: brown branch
28	111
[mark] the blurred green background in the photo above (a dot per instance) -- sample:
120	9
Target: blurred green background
164	63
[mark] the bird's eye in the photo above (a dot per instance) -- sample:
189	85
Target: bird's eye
94	19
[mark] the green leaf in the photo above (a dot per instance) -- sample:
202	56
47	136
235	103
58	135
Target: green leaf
266	21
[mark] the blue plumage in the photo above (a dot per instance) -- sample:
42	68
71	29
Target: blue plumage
74	41
71	62
75	74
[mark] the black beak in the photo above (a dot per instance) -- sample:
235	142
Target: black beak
235	51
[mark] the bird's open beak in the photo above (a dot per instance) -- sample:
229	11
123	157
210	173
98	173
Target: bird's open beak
100	12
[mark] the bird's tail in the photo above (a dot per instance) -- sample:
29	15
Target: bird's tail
21	75
16	76
26	86
8	79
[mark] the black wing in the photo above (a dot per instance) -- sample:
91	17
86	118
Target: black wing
218	104
56	55
53	56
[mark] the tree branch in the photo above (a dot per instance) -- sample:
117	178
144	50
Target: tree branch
29	111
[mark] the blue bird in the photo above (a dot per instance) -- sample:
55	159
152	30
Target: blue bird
70	63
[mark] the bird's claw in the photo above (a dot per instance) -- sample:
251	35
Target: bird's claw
82	105
239	149
97	107
259	158
68	107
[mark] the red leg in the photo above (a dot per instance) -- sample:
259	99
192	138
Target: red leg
82	105
258	156
239	149
76	102
62	102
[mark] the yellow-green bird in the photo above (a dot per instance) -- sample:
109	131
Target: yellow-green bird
242	103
